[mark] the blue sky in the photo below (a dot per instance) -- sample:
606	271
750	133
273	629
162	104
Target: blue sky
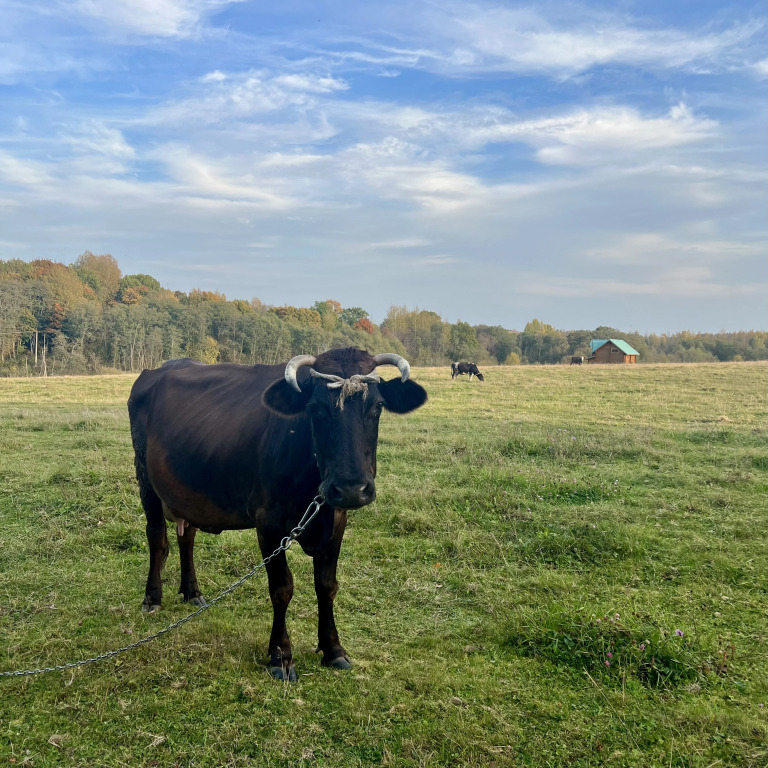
584	163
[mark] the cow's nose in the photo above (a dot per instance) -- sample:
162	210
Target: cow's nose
350	495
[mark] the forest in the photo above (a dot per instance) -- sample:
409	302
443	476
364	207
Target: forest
87	317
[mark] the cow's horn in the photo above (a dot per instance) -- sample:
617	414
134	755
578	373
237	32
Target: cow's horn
390	358
293	365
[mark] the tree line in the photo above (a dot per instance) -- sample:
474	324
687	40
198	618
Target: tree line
87	317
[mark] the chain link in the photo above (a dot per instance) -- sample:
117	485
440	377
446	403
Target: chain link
285	544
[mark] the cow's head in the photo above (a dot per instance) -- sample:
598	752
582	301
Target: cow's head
343	397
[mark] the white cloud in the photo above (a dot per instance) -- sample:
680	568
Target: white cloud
587	135
310	84
437	260
404	243
284	160
101	139
252	96
392	169
24	60
478	37
23	173
682	283
584	136
153	18
761	67
658	248
213	77
220	180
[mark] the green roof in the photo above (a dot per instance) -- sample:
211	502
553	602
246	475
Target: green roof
620	343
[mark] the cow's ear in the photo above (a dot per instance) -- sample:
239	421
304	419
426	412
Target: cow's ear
402	396
284	400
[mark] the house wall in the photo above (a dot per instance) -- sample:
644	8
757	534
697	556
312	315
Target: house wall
606	355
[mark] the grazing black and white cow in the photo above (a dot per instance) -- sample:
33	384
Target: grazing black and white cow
577	360
459	369
222	447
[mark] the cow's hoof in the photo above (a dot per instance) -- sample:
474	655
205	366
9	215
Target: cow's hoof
341	662
150	608
284	675
198	601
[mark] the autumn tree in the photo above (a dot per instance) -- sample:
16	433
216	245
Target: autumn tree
134	288
196	296
63	286
423	334
329	312
299	315
351	315
100	272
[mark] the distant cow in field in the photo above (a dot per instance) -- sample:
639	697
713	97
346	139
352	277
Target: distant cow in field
577	360
459	369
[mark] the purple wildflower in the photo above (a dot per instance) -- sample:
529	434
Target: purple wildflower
609	655
642	646
607	663
679	632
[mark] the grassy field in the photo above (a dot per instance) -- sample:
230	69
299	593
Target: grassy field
565	566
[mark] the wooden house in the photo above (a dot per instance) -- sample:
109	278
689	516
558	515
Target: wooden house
612	351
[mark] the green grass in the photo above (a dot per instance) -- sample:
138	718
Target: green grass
525	529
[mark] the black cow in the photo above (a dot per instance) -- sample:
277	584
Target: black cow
222	447
459	369
577	360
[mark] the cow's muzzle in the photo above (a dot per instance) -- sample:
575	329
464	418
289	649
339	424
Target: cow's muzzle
349	495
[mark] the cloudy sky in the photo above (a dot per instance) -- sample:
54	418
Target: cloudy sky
584	163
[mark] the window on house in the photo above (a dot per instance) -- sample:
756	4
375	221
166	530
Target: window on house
614	351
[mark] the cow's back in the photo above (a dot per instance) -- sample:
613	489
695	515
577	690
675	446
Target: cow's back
141	397
202	430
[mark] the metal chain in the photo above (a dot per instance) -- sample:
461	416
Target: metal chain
285	544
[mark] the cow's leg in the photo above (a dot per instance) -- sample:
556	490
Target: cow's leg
326	587
280	592
188	587
157	538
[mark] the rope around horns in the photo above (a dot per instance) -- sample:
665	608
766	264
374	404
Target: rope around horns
355	383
